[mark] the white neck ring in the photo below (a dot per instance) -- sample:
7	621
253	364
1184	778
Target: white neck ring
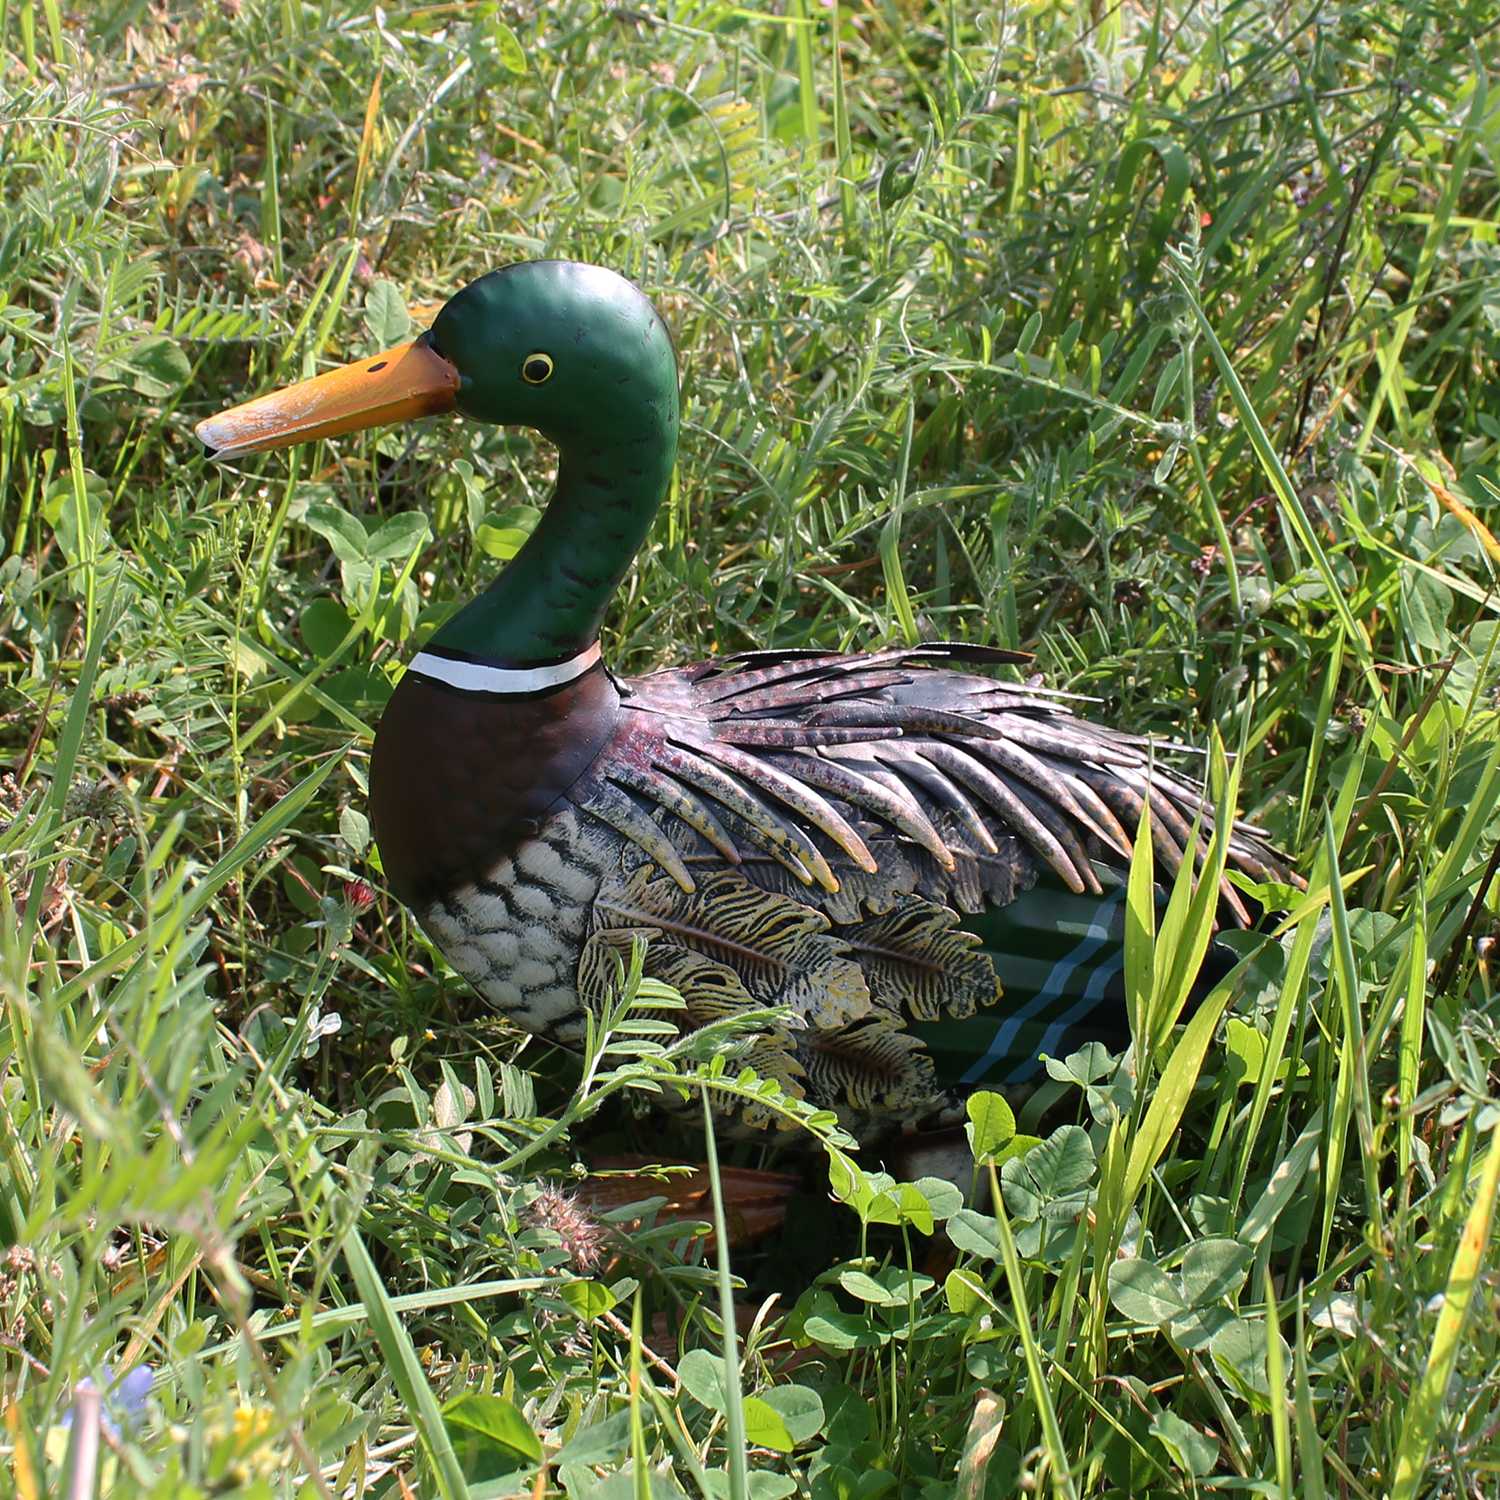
479	677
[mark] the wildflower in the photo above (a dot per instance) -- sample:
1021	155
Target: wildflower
359	894
579	1233
124	1407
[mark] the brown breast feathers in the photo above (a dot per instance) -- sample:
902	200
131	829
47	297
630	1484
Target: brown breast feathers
458	779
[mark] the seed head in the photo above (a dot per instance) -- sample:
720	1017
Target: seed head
580	1234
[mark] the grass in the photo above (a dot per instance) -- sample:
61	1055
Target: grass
1159	340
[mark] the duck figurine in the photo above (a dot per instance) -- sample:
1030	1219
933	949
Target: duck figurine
922	865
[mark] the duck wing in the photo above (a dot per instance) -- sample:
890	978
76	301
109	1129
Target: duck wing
791	755
923	864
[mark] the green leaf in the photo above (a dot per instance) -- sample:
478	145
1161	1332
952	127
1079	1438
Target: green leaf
964	1293
1197	1328
354	829
1245	1050
507	47
629	1484
343	532
1213	1270
898	176
799	1407
942	1197
1051	1170
975	1233
386	317
1191	1450
892	1287
400	536
867	1289
1144	1293
764	1485
92	538
495	1421
502	534
767	1486
1166	383
156	368
867	1193
589	1299
911	1207
359	688
1088	1065
883	1208
599	1442
702	1377
841	1330
323	626
992	1124
764	1426
1425	606
1239	1350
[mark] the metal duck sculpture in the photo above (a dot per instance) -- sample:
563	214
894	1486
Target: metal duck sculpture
921	864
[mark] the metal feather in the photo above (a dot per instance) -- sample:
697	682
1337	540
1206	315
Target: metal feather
758	823
1105	823
903	718
1060	736
840	778
675	798
610	805
777	736
917	960
1058	785
780	949
778	698
765	775
912	767
1014	812
873	1065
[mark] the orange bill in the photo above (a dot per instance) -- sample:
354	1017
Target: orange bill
408	381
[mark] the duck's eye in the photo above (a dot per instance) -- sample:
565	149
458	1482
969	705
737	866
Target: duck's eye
536	369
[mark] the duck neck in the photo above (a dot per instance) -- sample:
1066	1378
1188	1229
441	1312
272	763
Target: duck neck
546	606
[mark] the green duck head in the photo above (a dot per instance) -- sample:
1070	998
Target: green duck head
574	351
567	349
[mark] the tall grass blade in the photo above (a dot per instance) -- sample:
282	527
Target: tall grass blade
268	827
406	1371
1281	1427
53	809
1352	1093
1140	935
807	84
1039	1390
640	1476
1286	493
1389	350
1413	1030
734	1407
1170	1096
1309	1443
1419	1429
